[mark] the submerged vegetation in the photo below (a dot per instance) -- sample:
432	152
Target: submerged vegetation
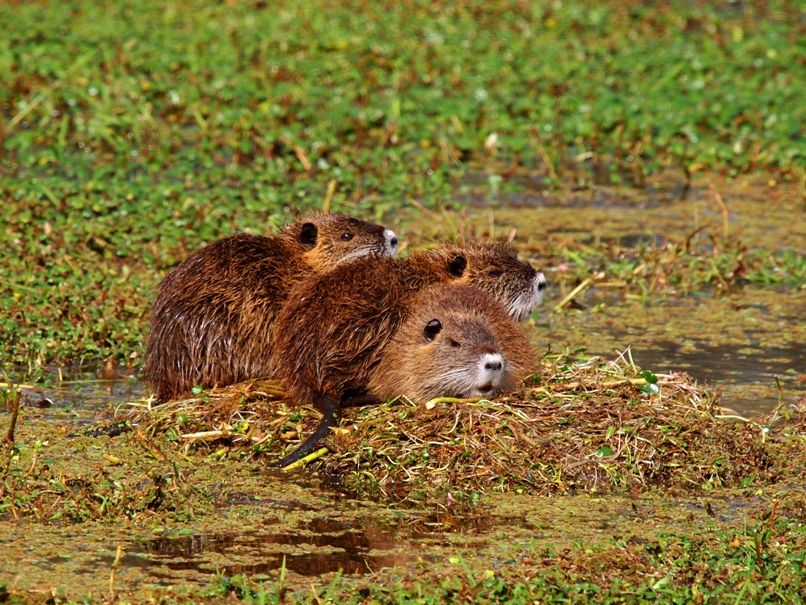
760	563
580	434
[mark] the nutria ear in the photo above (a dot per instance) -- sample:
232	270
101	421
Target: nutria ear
457	265
431	329
307	235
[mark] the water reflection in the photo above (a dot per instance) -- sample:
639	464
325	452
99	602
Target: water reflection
310	548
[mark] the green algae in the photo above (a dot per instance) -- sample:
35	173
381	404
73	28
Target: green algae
220	523
129	140
651	540
182	518
123	151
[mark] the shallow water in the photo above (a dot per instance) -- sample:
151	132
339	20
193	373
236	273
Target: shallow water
262	522
759	215
749	344
83	388
358	539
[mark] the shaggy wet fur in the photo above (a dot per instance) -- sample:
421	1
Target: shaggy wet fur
330	334
211	323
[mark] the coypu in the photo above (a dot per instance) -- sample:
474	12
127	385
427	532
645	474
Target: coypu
212	318
457	342
330	333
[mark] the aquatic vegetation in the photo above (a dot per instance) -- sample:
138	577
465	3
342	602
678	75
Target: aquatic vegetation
131	139
130	135
608	433
762	563
577	427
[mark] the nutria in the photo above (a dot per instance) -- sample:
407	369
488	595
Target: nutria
330	334
457	342
212	318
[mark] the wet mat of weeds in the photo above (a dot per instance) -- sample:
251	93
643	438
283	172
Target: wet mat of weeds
222	511
79	558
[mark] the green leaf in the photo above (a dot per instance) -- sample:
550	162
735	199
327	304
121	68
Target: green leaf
604	451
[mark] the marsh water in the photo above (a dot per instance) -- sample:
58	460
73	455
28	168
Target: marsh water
747	343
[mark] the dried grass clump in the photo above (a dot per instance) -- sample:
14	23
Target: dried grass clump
247	414
576	426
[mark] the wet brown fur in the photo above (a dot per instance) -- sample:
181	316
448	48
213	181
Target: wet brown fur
330	335
211	323
472	323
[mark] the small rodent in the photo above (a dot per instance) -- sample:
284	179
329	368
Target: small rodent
457	342
330	334
211	323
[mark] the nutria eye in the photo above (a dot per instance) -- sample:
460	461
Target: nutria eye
496	273
346	236
432	328
453	343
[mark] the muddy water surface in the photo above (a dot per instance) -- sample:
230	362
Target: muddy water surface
749	343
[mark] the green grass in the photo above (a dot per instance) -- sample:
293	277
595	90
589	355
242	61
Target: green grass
764	563
132	133
240	85
651	270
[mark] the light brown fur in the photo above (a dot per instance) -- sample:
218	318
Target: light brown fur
330	334
441	349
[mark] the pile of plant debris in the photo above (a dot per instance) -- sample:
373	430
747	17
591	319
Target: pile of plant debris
576	426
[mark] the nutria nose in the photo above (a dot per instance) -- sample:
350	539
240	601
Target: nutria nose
540	288
492	362
391	241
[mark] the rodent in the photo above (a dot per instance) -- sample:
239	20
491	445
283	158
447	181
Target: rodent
211	323
458	341
330	333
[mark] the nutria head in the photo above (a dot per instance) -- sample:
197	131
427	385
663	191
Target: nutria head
330	239
495	268
476	364
457	342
